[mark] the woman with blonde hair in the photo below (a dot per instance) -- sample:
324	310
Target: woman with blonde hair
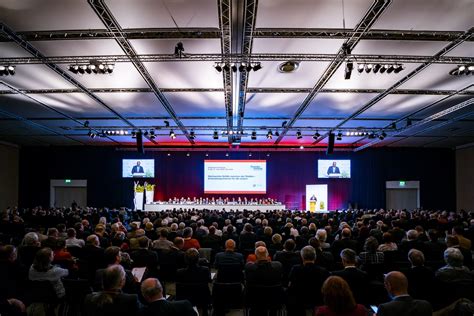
338	299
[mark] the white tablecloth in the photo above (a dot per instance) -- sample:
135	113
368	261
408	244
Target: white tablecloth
227	207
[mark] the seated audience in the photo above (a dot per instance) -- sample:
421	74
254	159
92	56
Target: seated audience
338	299
421	279
263	271
162	243
288	258
72	241
402	303
229	256
370	255
113	256
152	292
189	241
453	242
343	243
322	235
388	244
464	243
28	249
356	278
454	270
193	273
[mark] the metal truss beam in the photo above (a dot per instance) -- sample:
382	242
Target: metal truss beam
427	120
370	17
103	12
392	35
192	33
249	90
250	17
152	33
147	58
4	29
225	18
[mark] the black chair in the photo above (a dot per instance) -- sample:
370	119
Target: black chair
42	293
263	299
197	293
230	273
374	271
226	296
75	251
76	292
452	291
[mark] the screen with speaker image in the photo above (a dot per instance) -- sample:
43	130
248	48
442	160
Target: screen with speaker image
330	168
138	168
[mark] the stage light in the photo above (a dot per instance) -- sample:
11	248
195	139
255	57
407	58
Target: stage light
398	68
269	134
167	124
390	69
110	68
348	133
298	135
242	67
409	122
368	68
122	132
86	124
316	135
283	124
257	67
134	134
461	68
249	67
179	50
277	134
188	154
376	68
250	154
470	68
192	135
301	147
226	67
348	70
384	134
227	154
268	154
218	67
172	134
215	135
207	154
360	68
339	136
254	135
73	68
91	134
152	134
384	69
168	154
233	67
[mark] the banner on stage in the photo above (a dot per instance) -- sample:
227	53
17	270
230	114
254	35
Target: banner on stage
316	197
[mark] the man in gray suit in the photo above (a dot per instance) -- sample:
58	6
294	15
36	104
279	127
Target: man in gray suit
402	303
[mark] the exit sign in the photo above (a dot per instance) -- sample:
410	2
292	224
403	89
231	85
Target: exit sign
67	181
402	183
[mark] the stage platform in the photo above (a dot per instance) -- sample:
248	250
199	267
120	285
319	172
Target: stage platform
217	207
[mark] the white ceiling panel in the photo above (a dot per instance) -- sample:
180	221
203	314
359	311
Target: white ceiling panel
75	104
274	124
165	13
337	104
33	15
10	49
36	77
306	76
191	74
310	14
79	47
124	75
204	122
417	48
366	80
296	45
436	77
412	141
316	123
445	103
195	104
273	104
153	123
97	141
134	103
367	123
208	138
166	46
439	15
464	49
396	106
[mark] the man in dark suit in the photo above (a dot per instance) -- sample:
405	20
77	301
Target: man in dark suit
288	258
137	168
343	243
263	272
152	292
333	170
144	257
193	273
356	278
402	303
111	301
229	256
420	278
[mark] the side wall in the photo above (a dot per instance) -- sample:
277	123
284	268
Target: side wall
465	178
9	176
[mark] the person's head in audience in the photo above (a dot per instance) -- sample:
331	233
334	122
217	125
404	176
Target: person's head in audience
396	284
348	257
315	243
31	239
457	231
71	233
114	278
248	228
152	290
230	245
453	257
371	244
261	254
321	235
8	253
452	241
416	258
308	254
337	295
230	229
289	245
174	227
93	240
260	244
268	231
163	232
112	255
53	232
433	235
188	232
276	239
412	235
178	242
212	230
387	238
143	242
43	259
346	233
191	257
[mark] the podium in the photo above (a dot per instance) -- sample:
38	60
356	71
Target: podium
138	175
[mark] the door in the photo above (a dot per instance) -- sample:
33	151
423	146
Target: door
64	196
402	199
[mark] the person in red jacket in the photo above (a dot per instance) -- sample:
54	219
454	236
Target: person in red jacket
189	241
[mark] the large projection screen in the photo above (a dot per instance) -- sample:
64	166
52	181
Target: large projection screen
235	176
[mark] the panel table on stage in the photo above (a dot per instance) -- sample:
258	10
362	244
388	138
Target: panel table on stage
160	207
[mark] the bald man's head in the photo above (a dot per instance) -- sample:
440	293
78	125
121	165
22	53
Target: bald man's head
396	283
261	253
152	290
230	245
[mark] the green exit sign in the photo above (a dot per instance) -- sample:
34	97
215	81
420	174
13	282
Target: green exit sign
402	183
67	181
